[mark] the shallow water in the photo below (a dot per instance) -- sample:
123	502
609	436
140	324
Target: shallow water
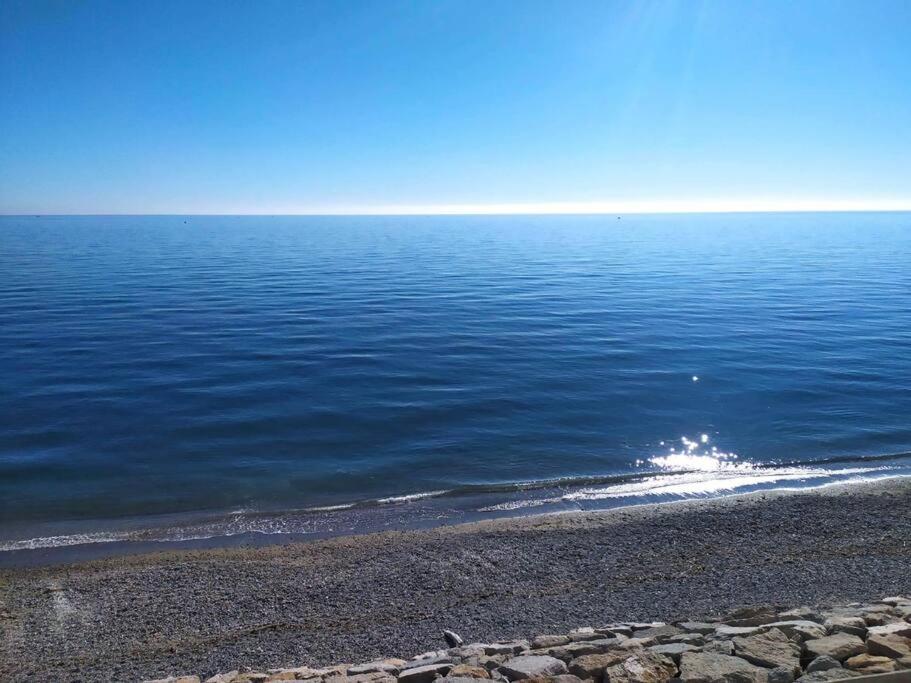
184	377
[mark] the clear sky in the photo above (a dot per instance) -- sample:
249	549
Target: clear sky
475	105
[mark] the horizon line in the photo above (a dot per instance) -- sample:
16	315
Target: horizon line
529	209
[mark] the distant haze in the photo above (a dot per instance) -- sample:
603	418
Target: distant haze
475	106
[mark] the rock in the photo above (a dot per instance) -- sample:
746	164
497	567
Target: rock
452	638
828	675
894	600
637	643
562	678
661	634
688	638
424	674
700	627
853	625
593	666
389	666
725	631
228	677
468	671
549	641
839	646
531	666
173	679
375	677
889	646
798	629
904	663
584	633
428	661
781	674
899	628
871	664
591	647
642	625
641	667
751	616
823	663
705	667
719	647
673	650
770	649
802	613
618	629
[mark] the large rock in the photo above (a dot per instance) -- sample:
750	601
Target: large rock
532	666
593	666
660	634
590	647
227	677
708	667
751	616
176	679
424	674
798	629
389	666
769	649
823	663
642	667
871	664
889	646
674	650
542	642
700	627
839	646
898	628
828	675
781	674
725	631
853	625
562	678
468	671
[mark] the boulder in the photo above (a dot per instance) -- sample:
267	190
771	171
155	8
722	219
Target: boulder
798	629
828	675
593	666
660	634
802	613
889	646
853	625
781	674
176	679
770	649
839	646
584	633
468	671
688	638
751	616
549	641
641	667
719	647
641	625
673	650
424	674
898	628
823	663
590	647
700	627
452	638
707	667
228	677
725	631
531	666
562	678
389	666
871	664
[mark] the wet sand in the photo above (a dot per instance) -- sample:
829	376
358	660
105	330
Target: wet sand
391	593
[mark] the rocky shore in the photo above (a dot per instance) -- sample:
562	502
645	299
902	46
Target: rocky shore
751	645
391	594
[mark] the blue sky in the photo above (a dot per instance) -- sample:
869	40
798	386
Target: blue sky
369	106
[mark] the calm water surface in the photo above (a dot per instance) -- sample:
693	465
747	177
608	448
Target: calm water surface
222	374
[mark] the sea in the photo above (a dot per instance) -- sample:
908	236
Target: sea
224	380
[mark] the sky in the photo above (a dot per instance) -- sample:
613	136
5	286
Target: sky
450	106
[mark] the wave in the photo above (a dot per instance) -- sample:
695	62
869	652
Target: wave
694	471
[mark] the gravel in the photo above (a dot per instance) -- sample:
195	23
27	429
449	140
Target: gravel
392	594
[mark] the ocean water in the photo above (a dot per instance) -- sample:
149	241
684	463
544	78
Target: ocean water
176	378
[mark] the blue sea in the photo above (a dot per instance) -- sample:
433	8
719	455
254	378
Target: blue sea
178	379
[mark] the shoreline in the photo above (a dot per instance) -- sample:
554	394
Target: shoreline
391	593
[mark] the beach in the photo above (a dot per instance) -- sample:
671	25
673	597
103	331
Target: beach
387	594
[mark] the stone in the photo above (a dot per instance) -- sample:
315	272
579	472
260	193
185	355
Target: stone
725	631
889	646
591	647
452	638
700	627
802	613
771	649
593	666
427	661
853	625
375	677
719	647
531	666
688	638
175	679
828	675
823	663
798	629
642	625
894	600
424	674
781	674
904	663
839	646
660	633
541	642
562	678
673	650
637	643
228	677
871	664
751	616
584	633
618	629
641	667
390	666
899	628
468	671
705	667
